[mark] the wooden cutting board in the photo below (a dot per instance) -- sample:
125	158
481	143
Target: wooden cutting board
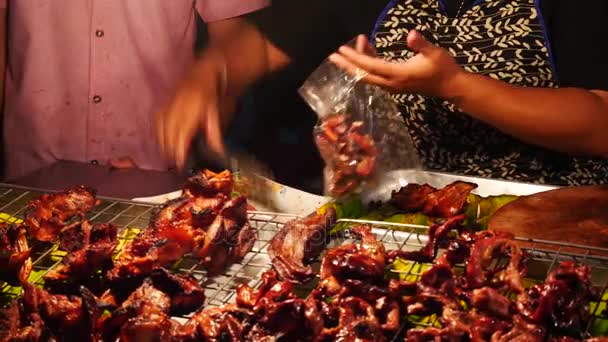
577	215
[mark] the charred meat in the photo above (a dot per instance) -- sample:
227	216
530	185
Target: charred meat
438	234
228	239
49	214
152	249
185	292
15	261
203	222
209	184
561	303
298	243
89	248
18	325
484	267
41	316
445	202
348	151
195	213
365	260
141	317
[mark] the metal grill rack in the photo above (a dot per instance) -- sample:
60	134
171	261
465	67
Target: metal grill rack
542	257
132	217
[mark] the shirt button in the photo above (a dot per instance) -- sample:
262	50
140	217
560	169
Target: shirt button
99	33
94	162
96	98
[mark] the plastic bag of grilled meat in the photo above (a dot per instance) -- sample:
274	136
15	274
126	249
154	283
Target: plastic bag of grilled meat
360	132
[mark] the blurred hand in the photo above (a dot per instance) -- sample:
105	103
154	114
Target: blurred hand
430	72
196	105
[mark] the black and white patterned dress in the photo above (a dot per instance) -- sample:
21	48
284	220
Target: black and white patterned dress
502	39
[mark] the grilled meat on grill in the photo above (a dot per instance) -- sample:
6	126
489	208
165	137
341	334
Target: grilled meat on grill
561	303
215	229
49	214
58	317
15	261
438	234
445	202
89	248
208	184
228	239
152	249
298	243
141	317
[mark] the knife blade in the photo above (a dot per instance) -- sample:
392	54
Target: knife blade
252	178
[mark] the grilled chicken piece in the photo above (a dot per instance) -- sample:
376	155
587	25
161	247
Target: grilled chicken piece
19	326
49	214
479	270
89	249
215	229
298	243
142	315
195	213
219	323
438	233
229	238
15	261
185	292
412	197
365	260
207	183
152	249
446	202
66	318
562	302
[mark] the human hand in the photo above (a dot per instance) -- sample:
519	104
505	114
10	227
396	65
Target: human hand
432	71
195	106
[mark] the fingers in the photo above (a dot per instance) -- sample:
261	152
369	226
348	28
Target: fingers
184	132
352	69
213	129
160	130
372	65
362	45
418	43
177	125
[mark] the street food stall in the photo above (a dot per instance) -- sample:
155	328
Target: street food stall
417	258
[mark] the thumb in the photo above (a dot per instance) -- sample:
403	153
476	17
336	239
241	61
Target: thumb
418	43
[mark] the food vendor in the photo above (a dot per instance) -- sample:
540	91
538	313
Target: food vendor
84	78
496	88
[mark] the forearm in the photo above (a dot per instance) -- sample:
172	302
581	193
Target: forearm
240	54
564	119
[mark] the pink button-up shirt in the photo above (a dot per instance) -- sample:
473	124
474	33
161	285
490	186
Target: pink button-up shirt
86	77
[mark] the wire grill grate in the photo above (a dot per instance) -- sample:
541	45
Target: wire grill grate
131	217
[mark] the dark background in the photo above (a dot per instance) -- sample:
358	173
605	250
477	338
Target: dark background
275	125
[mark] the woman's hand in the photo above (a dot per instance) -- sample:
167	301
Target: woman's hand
432	71
195	106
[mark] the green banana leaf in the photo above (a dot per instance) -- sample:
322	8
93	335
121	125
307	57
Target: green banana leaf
478	211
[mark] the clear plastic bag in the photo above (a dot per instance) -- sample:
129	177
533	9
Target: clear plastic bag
360	133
